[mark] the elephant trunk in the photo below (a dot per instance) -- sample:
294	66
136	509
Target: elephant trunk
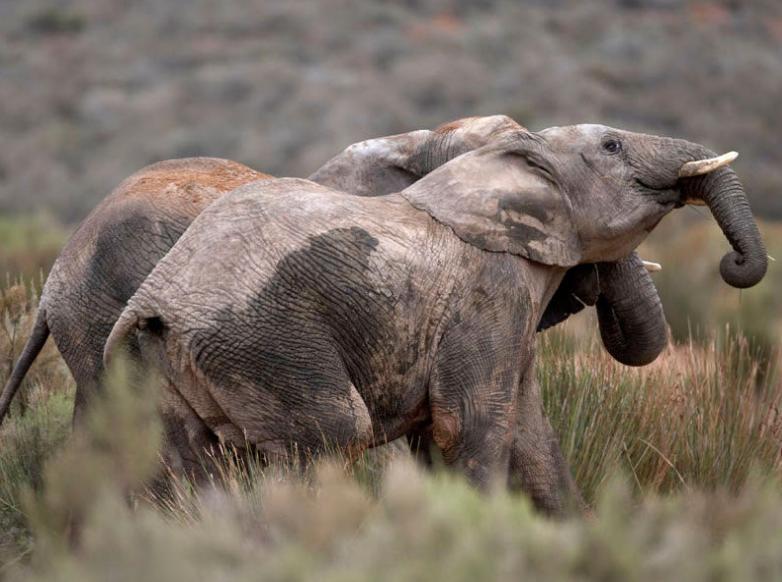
721	190
629	311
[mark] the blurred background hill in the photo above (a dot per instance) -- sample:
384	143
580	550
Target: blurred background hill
92	90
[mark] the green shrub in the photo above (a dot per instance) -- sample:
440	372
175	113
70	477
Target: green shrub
26	443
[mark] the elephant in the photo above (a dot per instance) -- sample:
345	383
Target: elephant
108	257
120	242
290	315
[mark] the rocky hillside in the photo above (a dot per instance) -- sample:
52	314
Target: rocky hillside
92	90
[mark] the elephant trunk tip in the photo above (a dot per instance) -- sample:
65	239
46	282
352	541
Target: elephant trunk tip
742	271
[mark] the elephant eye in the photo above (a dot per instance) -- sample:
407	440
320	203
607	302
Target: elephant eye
612	146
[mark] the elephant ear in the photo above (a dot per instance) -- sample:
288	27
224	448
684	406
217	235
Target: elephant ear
504	198
379	166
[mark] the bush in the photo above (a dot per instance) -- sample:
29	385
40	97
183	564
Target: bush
56	21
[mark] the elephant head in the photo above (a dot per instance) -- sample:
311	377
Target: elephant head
583	197
644	174
389	164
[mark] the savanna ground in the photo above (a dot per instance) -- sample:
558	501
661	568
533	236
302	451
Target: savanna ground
680	462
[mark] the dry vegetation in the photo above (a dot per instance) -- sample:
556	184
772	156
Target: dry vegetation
678	459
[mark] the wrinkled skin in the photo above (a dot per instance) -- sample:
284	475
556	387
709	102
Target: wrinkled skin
120	242
412	314
113	251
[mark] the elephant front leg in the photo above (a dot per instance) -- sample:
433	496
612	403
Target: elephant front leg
474	437
537	466
472	402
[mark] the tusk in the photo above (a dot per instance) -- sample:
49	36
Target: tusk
700	167
652	267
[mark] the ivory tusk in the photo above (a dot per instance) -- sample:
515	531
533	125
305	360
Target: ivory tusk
700	167
652	267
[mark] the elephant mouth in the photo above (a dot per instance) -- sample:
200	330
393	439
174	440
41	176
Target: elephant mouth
663	195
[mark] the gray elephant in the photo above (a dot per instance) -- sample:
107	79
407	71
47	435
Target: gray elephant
120	242
108	257
290	315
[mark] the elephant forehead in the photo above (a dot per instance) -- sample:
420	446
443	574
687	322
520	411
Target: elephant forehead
572	133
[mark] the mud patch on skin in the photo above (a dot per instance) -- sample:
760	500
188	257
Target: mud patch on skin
513	205
171	179
125	253
315	328
446	429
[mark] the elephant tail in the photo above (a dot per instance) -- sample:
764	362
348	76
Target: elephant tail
127	322
31	350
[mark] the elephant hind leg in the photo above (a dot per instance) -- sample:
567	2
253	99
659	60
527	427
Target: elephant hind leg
189	446
323	417
342	424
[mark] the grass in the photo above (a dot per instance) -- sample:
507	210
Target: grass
29	244
679	460
699	417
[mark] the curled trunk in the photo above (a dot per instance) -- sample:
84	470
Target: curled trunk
630	313
723	193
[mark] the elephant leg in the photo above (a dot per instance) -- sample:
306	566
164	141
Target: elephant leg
87	372
473	443
189	447
80	334
305	408
421	446
472	397
537	466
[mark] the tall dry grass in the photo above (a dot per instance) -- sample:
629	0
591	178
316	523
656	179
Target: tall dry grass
700	417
